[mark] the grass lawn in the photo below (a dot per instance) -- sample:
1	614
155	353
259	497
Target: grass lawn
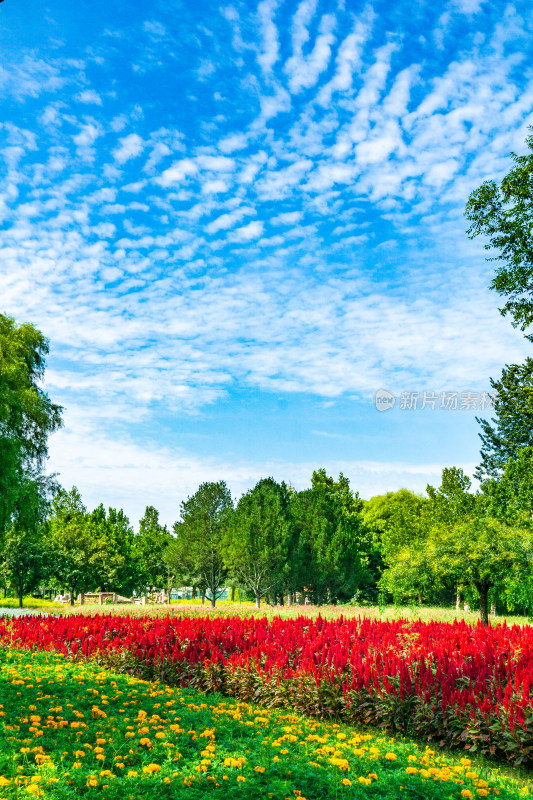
226	607
73	730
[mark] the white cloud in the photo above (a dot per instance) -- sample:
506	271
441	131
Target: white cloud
235	141
90	97
130	146
247	232
269	53
177	172
303	71
226	221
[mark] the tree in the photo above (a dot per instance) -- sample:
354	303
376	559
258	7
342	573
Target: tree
256	544
149	546
330	540
112	561
73	542
204	519
27	416
481	552
24	552
395	519
509	498
512	424
504	213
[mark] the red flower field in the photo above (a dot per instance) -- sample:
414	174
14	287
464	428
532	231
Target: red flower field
453	684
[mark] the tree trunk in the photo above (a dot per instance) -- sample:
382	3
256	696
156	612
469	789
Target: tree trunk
82	598
419	598
21	597
203	596
458	600
213	600
232	595
257	599
483	590
72	597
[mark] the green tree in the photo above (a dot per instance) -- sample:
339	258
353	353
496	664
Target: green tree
73	543
481	552
330	544
149	546
205	517
112	562
256	544
395	519
27	416
504	213
24	552
511	428
509	498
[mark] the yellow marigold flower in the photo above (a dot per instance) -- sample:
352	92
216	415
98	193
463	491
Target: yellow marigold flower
100	741
391	756
100	757
91	782
98	750
24	749
373	775
32	788
466	793
364	781
482	792
76	765
145	741
132	773
465	762
411	758
160	735
152	768
241	778
411	770
346	782
259	769
482	784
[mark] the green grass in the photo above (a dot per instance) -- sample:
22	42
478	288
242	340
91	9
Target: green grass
71	730
246	609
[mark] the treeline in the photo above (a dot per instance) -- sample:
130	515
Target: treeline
323	544
274	543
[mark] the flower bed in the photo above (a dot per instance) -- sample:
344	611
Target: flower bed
453	684
73	730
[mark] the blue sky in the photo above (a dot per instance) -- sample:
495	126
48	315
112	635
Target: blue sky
237	222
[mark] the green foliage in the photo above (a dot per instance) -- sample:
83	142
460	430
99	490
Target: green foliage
511	428
247	752
395	519
205	518
112	561
27	416
72	541
481	552
256	544
149	548
328	536
504	213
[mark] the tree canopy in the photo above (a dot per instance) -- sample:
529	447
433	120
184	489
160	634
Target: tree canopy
504	213
27	415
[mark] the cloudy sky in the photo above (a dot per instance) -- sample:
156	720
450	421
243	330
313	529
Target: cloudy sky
235	223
